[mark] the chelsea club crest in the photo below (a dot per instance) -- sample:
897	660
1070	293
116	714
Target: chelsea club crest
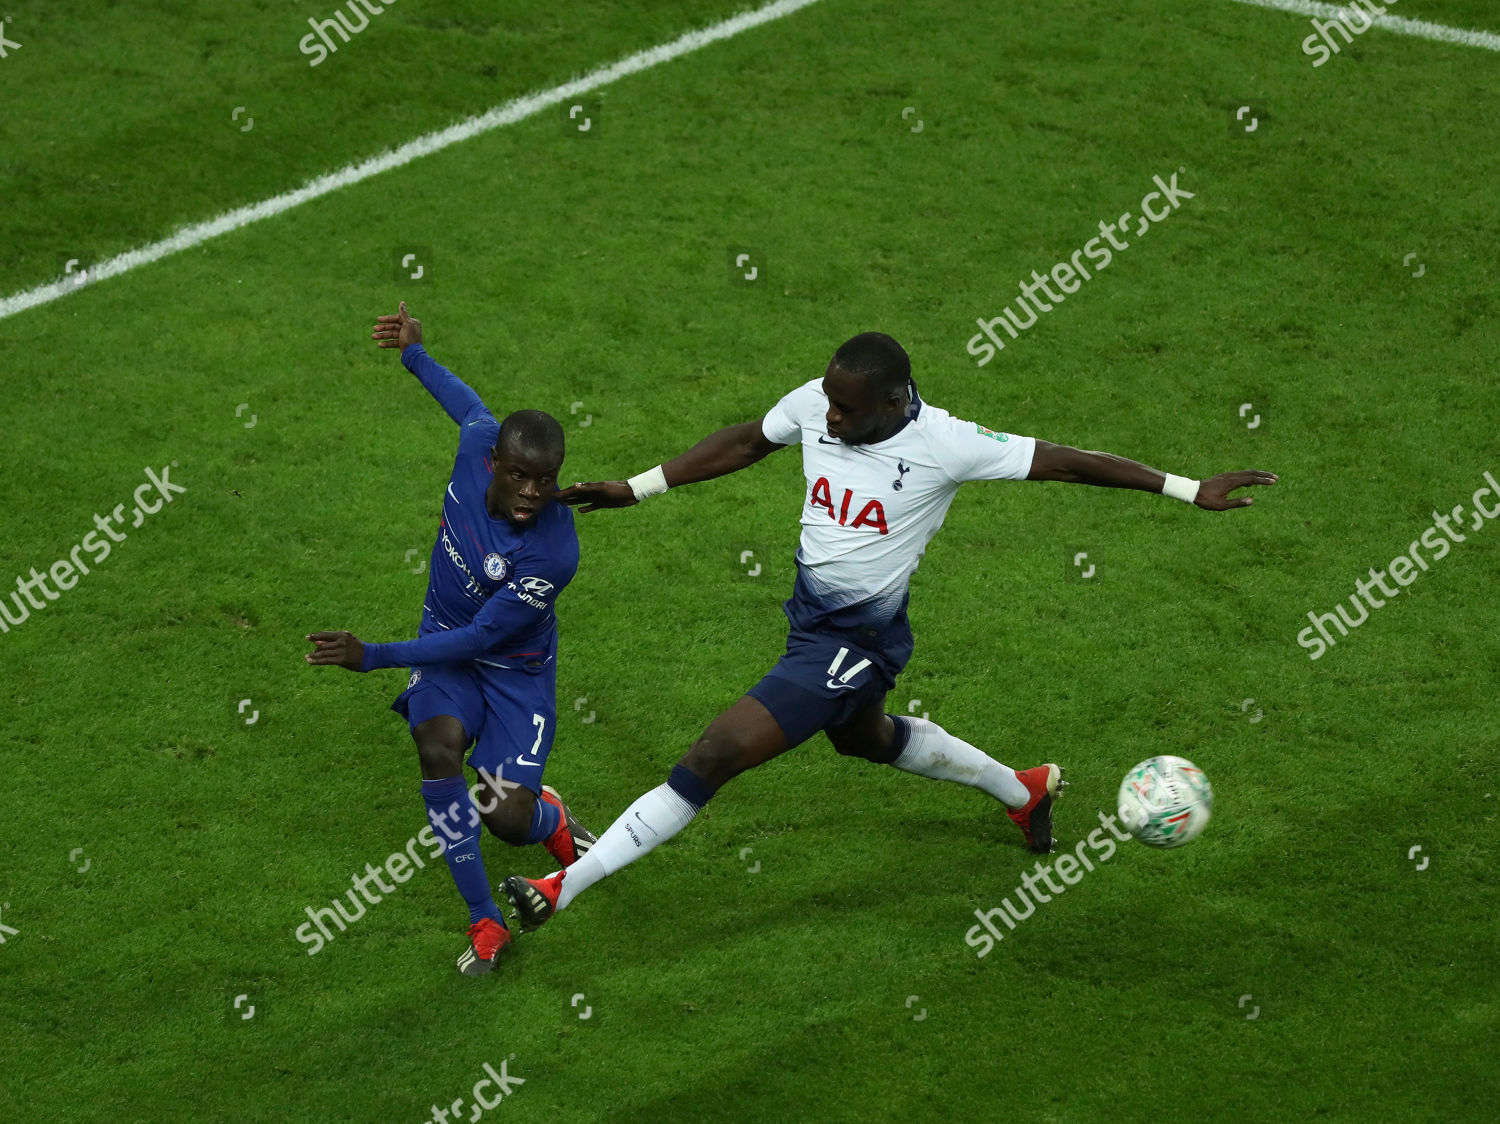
495	567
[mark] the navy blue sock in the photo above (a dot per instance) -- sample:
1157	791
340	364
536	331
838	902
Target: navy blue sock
455	821
544	820
690	786
898	743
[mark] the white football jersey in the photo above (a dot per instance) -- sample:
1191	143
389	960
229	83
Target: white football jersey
871	510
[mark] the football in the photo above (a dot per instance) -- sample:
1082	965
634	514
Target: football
1165	801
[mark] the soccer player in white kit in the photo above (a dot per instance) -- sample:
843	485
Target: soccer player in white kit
882	468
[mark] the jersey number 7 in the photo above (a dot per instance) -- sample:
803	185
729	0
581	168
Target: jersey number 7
540	723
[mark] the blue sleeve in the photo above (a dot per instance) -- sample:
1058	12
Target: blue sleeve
451	392
503	617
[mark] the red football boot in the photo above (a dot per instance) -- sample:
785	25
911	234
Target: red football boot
571	841
487	940
534	900
1045	784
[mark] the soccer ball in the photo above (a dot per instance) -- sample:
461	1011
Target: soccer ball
1165	801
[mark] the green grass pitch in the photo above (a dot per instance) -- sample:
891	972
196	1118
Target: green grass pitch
798	952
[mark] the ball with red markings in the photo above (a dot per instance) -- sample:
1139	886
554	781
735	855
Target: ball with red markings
1165	801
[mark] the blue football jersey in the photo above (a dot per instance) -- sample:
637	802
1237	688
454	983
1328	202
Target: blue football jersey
493	584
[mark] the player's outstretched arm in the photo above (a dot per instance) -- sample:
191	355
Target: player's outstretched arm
405	331
503	620
728	450
1105	470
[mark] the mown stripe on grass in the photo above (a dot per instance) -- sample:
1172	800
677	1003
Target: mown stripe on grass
1399	24
508	114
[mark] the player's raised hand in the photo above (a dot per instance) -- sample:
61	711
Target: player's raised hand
612	493
401	330
342	649
1213	493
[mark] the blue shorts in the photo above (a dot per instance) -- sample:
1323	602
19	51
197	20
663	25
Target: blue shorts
509	715
825	678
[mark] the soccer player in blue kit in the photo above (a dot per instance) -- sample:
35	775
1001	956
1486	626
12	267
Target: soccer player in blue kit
483	667
882	467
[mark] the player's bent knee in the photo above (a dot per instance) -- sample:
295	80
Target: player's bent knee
441	743
440	757
506	811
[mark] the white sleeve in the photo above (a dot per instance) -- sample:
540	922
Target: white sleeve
973	452
783	422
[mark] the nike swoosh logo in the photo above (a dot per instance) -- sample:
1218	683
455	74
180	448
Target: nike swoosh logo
450	492
825	441
840	686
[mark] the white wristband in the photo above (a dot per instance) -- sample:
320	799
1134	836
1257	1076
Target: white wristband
652	482
1180	488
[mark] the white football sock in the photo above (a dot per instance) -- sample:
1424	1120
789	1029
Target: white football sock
653	818
933	752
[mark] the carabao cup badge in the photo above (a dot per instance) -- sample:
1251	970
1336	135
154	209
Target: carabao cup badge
495	567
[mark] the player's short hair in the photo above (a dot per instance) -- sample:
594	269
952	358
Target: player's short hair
877	357
532	433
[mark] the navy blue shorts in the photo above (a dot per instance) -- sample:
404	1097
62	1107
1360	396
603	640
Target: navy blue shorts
824	679
509	715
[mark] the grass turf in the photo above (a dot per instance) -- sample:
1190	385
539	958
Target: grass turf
595	271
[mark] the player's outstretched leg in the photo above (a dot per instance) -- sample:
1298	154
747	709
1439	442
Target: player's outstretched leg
441	742
742	737
915	745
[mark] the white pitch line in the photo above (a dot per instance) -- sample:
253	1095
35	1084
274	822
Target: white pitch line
1419	28
507	114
